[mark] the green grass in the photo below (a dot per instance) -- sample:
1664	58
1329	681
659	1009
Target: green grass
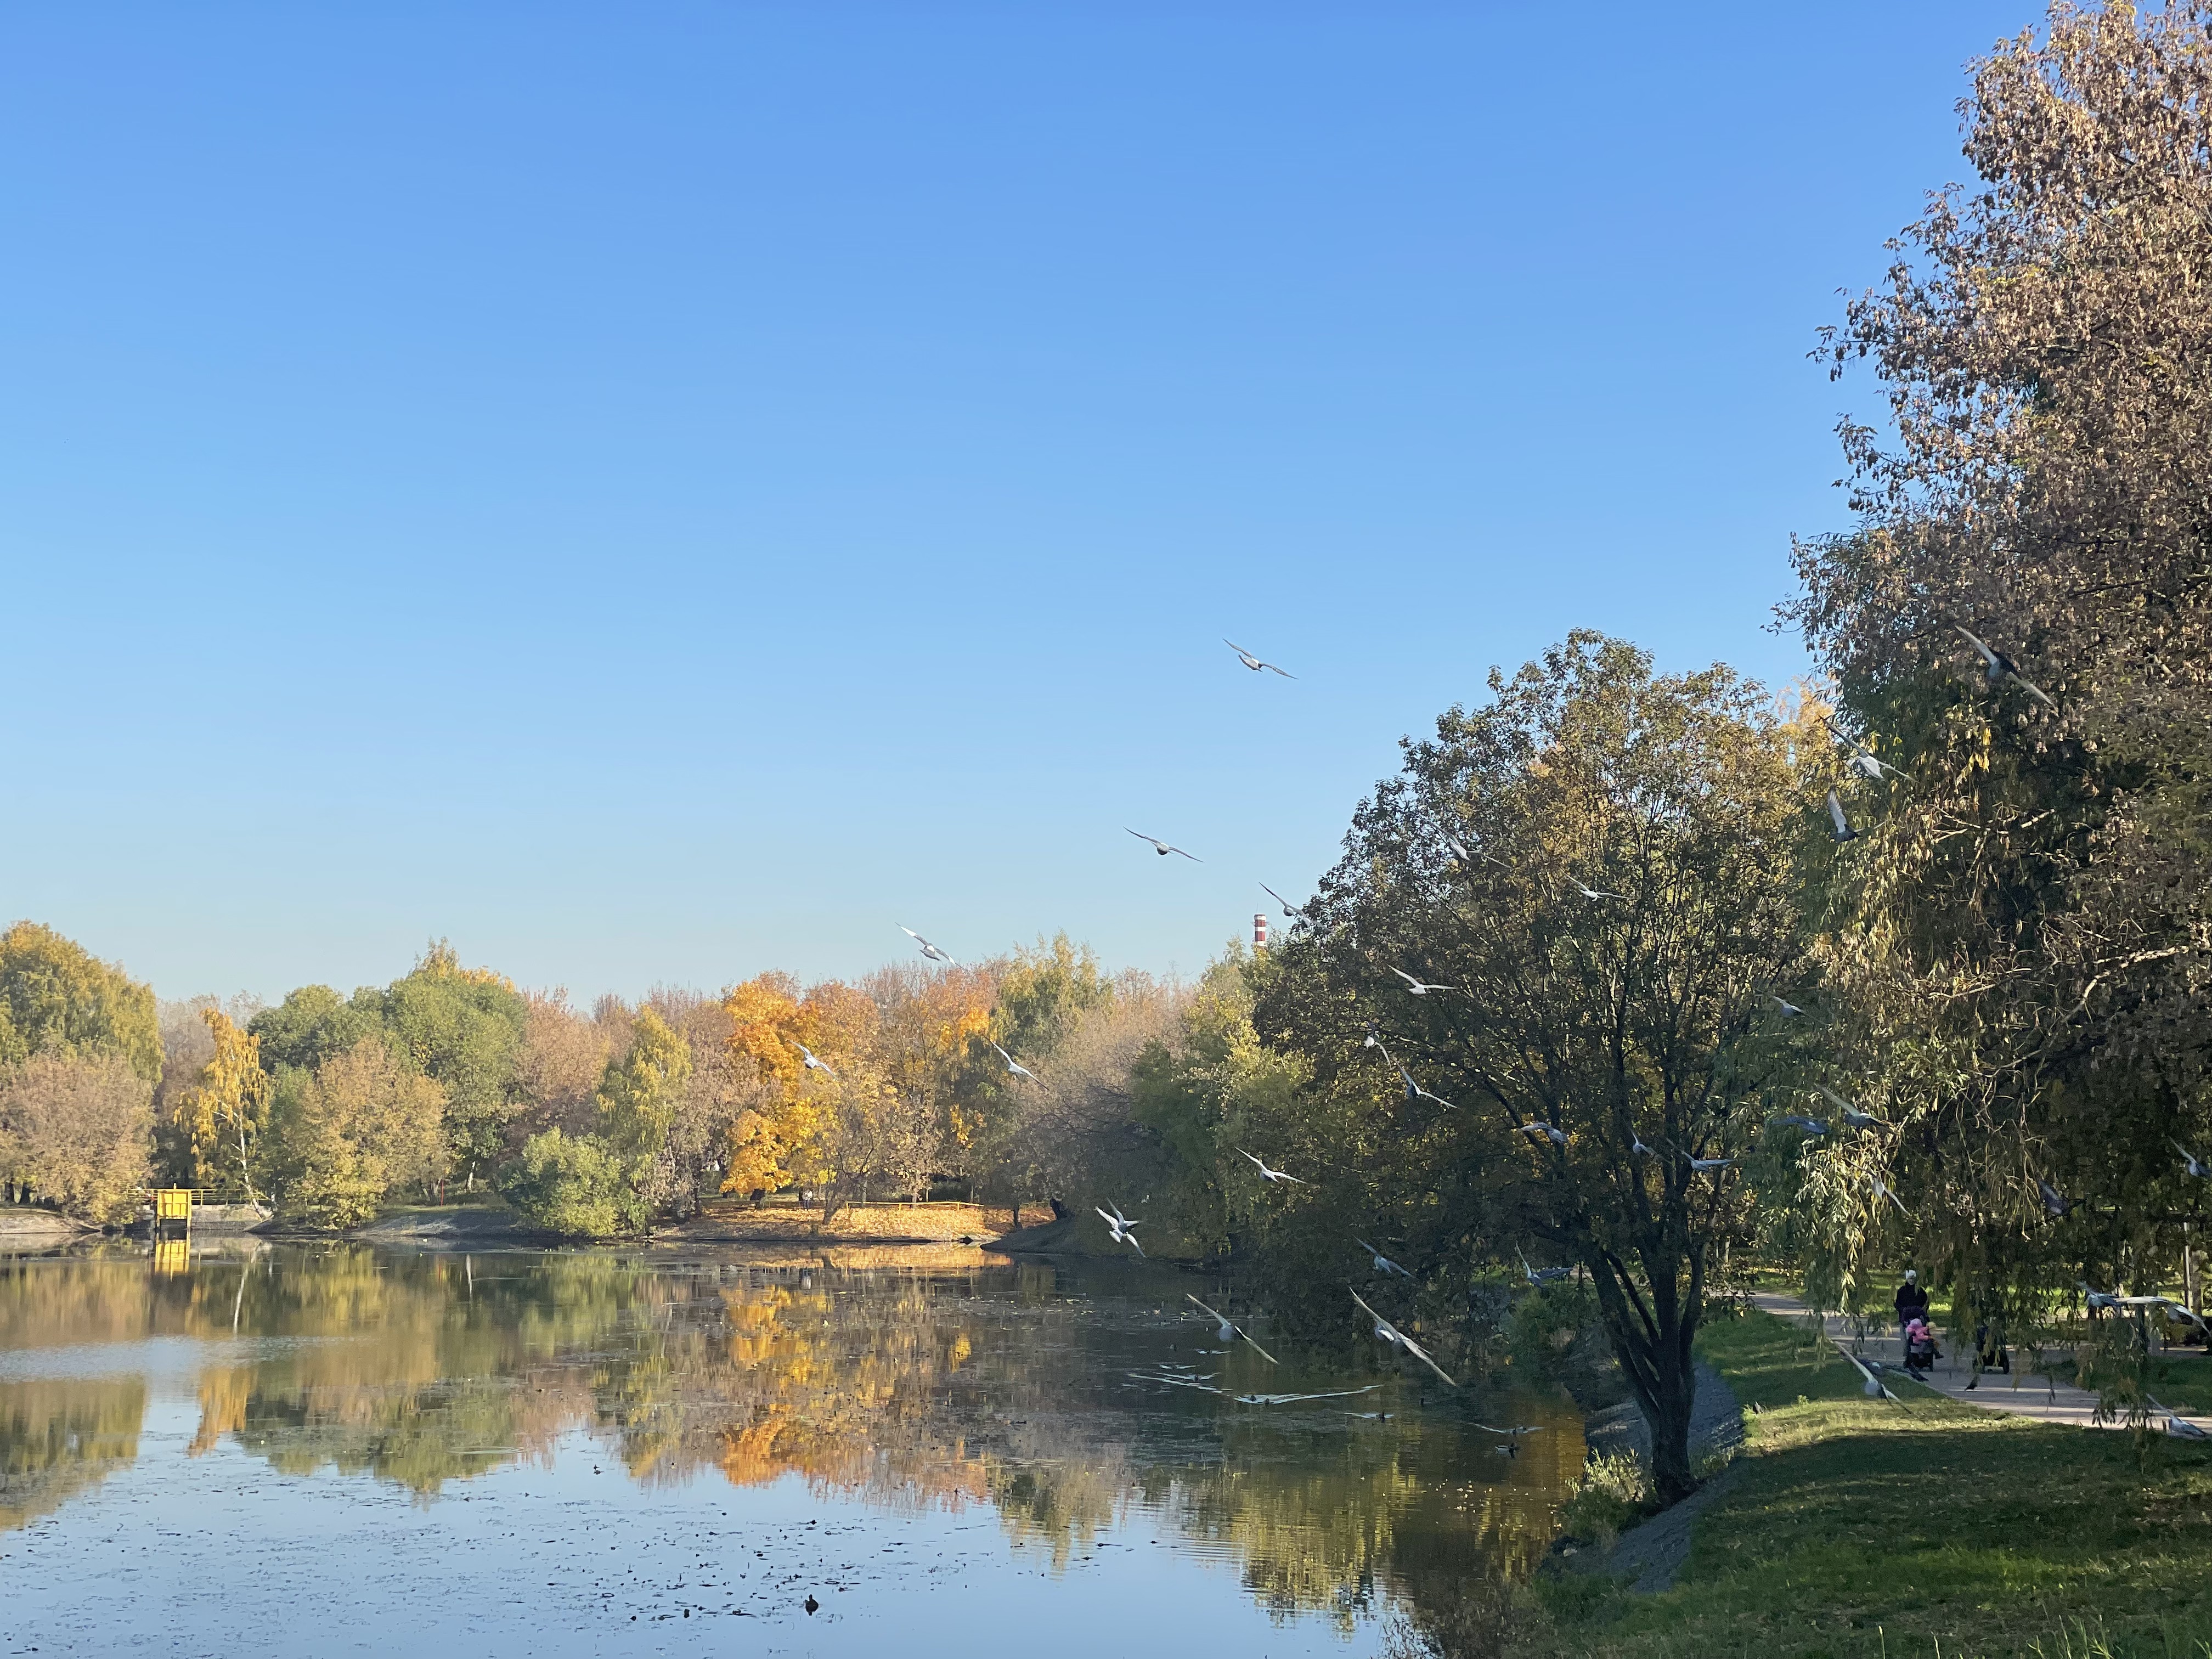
1857	1527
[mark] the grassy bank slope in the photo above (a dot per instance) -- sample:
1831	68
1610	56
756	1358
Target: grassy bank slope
1859	1527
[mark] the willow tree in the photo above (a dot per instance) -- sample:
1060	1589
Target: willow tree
2022	955
1601	866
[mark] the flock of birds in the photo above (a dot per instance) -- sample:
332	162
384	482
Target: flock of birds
1998	669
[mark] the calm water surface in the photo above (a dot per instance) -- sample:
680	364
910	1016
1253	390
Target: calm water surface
252	1449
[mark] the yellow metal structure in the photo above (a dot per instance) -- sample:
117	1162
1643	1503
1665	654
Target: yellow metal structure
173	1203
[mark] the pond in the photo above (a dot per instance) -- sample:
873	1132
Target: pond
248	1449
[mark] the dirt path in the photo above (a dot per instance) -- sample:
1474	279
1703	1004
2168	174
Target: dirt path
2045	1399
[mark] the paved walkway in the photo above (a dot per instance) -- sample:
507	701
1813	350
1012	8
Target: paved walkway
2042	1398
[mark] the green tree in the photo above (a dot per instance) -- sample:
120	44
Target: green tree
57	998
2018	948
364	1124
313	1024
463	1027
1602	864
599	1185
573	1185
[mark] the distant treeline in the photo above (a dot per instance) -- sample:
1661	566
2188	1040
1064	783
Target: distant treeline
327	1107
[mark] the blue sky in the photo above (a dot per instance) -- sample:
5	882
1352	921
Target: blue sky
654	493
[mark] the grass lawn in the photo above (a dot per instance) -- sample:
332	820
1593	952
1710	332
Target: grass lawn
1853	1528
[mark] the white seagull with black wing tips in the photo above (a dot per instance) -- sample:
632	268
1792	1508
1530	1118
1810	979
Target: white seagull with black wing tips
813	1062
1290	912
927	949
1267	1174
1230	1330
1540	1275
1853	1118
2191	1162
1254	663
1122	1230
1387	1333
1557	1136
1590	892
1417	986
1863	760
1843	830
1014	1067
2000	668
1163	848
1383	1263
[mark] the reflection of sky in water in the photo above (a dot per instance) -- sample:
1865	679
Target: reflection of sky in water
395	1452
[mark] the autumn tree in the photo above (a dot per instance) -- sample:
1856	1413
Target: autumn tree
75	1131
1601	865
221	1116
364	1124
57	998
598	1183
2019	950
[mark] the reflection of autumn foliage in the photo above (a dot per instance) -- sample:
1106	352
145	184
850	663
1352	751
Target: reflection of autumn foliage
907	1390
58	1439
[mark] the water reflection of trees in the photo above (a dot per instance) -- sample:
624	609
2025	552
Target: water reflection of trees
905	1389
57	1439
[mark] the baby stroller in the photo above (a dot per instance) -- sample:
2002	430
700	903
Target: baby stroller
1921	1352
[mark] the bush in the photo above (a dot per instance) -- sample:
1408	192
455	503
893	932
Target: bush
574	1185
1614	1493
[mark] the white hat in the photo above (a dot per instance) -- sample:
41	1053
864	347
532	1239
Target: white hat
1912	1275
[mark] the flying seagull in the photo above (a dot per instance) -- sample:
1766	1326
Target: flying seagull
2099	1300
1412	1089
1253	662
1844	831
1789	1010
1014	1067
2171	1309
2177	1425
1122	1228
1294	915
1416	987
1863	760
1163	848
927	949
1267	1174
1811	1125
1592	892
2055	1204
1386	1332
1419	1093
1880	1189
1230	1329
1636	1146
1557	1137
1383	1263
814	1062
1708	1165
1540	1276
1374	1038
2194	1165
2000	668
1853	1118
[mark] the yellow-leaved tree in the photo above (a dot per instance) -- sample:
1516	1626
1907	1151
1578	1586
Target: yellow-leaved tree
221	1115
778	1140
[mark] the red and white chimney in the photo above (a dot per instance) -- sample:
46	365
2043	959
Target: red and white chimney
1259	931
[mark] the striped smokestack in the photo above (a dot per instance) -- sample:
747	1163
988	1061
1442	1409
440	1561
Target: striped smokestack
1259	931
